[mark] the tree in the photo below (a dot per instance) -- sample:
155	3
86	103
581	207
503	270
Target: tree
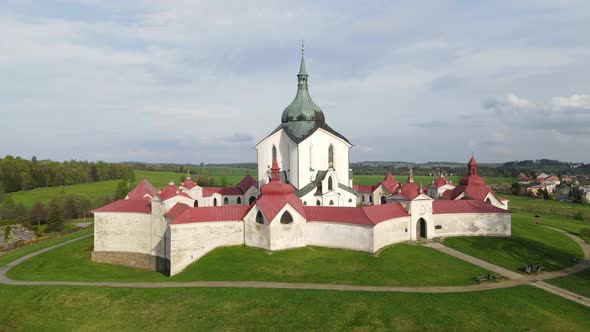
55	220
122	189
38	213
7	231
8	208
70	207
21	212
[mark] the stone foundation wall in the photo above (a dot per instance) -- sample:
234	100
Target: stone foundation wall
132	259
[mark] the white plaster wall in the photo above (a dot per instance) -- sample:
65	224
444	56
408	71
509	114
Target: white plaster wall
472	224
283	236
420	209
264	155
321	141
342	236
189	242
255	234
159	229
122	231
178	199
391	231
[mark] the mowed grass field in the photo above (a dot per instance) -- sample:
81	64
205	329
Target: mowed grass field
539	206
529	244
96	190
59	308
398	265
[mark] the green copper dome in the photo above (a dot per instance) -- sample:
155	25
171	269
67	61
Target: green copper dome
302	108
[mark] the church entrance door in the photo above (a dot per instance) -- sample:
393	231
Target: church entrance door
421	228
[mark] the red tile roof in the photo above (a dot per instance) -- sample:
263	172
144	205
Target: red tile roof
464	206
189	184
369	215
446	194
209	191
361	188
142	189
230	191
127	205
410	191
177	209
211	214
170	191
439	182
246	183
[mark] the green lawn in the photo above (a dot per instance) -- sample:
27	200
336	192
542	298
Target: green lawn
12	255
529	243
539	206
578	282
522	308
398	265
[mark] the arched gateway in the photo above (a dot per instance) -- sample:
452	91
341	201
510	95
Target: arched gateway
421	229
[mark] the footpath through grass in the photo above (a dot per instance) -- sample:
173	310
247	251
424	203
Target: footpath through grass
529	244
398	265
12	255
113	309
578	282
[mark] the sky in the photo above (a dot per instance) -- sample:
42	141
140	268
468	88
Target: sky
181	81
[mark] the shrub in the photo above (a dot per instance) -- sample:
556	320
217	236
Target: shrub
585	232
7	231
579	216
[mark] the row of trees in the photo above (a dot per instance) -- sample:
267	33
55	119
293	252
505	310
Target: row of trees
21	174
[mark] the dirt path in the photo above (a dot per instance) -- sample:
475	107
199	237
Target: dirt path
515	279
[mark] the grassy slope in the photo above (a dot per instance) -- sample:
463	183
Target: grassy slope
8	257
529	243
59	308
578	282
547	206
399	265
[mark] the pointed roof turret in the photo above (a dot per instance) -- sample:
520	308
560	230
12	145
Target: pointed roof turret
472	166
302	108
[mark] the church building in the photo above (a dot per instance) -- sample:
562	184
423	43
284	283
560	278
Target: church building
303	196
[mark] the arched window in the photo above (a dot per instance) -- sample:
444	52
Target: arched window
318	203
215	202
383	200
251	200
196	203
225	201
274	152
286	218
370	198
330	184
259	218
304	203
363	198
350	200
331	156
331	202
239	201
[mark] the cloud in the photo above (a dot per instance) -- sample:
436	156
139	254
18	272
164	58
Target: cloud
565	116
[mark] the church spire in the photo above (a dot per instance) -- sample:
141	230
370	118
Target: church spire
472	166
302	75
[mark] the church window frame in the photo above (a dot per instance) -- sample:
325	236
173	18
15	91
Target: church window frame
286	218
226	201
330	183
239	200
259	219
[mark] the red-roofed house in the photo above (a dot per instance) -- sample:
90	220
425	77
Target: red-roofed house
143	190
377	194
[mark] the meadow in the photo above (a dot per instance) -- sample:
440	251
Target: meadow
398	265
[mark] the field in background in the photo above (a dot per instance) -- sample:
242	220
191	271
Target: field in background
425	180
